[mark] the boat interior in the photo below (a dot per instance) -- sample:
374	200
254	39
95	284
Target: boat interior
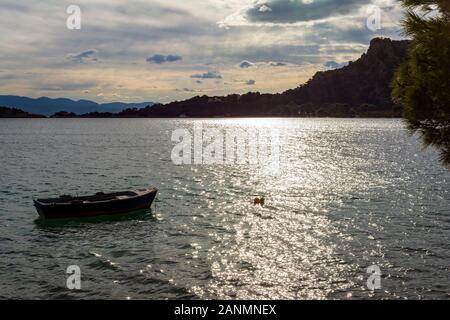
95	198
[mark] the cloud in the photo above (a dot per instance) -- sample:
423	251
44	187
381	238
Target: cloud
265	8
277	64
292	11
250	82
185	90
207	75
246	64
335	65
331	64
188	90
84	56
160	59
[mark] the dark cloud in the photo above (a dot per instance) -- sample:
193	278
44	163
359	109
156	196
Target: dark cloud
291	11
277	64
85	55
251	82
188	90
207	75
160	59
172	58
246	64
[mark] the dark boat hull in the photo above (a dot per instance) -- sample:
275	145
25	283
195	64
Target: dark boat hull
94	209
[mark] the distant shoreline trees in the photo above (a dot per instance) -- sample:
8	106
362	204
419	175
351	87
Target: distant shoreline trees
422	83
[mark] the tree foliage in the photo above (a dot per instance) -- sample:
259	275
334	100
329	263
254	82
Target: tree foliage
422	83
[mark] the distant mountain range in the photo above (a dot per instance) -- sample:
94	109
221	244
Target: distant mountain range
47	106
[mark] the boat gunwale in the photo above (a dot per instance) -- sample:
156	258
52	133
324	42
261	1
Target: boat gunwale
53	204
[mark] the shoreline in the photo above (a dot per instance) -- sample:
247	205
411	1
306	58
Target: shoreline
197	118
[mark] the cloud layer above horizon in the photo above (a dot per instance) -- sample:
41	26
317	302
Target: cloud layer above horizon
159	50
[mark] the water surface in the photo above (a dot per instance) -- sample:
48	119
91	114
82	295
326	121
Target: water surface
349	194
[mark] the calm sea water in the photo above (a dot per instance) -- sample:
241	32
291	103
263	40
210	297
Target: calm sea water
349	194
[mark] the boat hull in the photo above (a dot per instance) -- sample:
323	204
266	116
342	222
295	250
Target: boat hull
95	209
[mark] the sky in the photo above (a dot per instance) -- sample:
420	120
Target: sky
168	50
